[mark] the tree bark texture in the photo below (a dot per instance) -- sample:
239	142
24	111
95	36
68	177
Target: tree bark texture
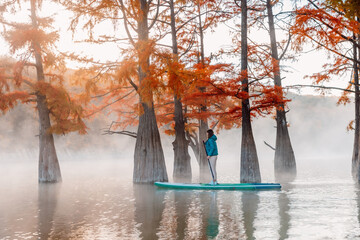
49	169
149	161
355	158
182	166
205	175
249	170
285	165
203	123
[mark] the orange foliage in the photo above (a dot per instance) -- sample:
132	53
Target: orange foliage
330	25
19	81
218	87
116	87
23	35
67	115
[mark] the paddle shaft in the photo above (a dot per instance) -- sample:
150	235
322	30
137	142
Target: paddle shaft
212	173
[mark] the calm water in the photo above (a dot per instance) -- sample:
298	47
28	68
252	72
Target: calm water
97	200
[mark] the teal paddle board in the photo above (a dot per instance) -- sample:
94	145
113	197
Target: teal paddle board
221	186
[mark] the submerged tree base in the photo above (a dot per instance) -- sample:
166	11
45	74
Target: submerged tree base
285	169
182	167
285	164
149	161
286	176
249	170
49	171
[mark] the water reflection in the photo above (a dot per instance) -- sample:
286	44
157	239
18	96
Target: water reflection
149	207
212	223
185	215
250	202
182	203
357	192
284	208
109	208
210	214
47	202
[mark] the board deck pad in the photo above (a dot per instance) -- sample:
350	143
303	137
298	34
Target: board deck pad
221	186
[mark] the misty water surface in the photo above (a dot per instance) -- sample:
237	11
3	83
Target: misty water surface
97	200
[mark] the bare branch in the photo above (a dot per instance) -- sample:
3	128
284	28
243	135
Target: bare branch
286	48
322	87
122	7
127	133
269	146
102	108
156	15
133	84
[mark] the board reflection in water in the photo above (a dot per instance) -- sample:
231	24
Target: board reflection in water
183	214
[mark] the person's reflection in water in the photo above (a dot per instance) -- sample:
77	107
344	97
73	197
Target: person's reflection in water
149	206
250	202
212	228
284	207
47	201
210	215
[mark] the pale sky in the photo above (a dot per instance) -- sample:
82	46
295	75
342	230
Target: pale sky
306	65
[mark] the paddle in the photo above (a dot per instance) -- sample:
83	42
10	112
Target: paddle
212	174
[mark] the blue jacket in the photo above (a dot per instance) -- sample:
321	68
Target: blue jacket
211	147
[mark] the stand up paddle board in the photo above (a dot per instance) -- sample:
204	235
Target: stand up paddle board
222	186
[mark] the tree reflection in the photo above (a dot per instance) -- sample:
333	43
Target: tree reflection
250	202
182	203
284	207
357	191
149	206
47	202
194	215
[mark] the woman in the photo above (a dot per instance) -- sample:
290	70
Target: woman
212	153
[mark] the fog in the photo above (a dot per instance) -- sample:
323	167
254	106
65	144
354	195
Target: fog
97	200
317	130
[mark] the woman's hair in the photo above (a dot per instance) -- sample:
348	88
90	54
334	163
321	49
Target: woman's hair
210	132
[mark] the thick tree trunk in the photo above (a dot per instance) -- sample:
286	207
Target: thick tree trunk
203	126
205	175
355	157
149	161
249	170
285	165
182	166
49	169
